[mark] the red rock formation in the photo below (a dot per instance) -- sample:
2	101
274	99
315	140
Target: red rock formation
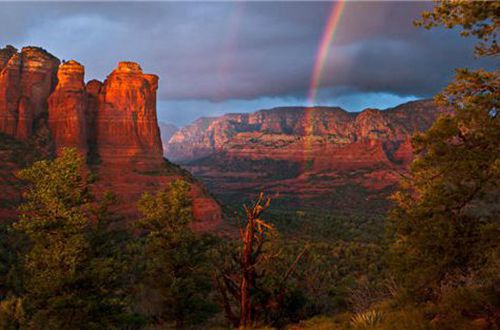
38	77
5	55
26	81
303	153
93	88
68	107
126	123
25	119
115	121
10	93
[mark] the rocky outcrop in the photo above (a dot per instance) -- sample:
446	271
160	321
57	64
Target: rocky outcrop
93	89
68	107
5	55
10	93
113	123
301	153
117	118
27	79
126	124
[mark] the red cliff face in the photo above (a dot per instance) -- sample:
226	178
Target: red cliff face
113	123
93	89
26	81
10	93
126	123
67	108
301	153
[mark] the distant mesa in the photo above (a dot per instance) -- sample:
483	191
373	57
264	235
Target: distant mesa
305	128
309	157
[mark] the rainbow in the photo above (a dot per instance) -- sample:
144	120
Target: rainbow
324	47
319	64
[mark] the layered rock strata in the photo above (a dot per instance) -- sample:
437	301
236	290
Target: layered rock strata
126	124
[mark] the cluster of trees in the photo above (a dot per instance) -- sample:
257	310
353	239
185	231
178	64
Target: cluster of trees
70	262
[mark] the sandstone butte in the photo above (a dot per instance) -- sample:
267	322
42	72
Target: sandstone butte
322	156
45	106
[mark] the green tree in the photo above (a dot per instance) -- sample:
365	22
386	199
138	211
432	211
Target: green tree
71	266
177	279
446	222
476	18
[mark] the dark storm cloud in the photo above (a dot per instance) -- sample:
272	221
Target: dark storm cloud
216	51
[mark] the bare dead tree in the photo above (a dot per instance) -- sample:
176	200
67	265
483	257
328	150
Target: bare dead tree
241	284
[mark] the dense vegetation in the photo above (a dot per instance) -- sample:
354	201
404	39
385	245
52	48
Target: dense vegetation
70	262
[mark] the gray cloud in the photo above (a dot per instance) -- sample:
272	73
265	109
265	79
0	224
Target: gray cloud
216	51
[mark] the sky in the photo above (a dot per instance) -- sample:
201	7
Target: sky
224	57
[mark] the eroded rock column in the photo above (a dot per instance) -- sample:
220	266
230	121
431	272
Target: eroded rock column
126	123
68	107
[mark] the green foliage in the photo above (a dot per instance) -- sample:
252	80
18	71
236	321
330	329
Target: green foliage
9	260
176	260
308	165
20	152
476	18
71	267
315	226
446	222
445	226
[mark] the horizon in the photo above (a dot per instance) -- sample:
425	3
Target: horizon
294	107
